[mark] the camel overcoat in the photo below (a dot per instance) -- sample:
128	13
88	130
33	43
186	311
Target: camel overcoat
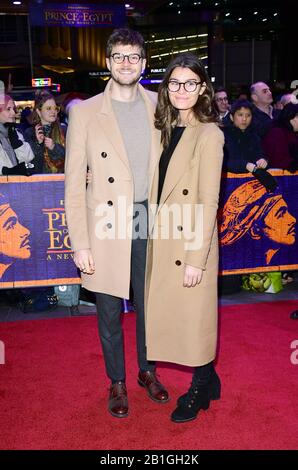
181	322
99	216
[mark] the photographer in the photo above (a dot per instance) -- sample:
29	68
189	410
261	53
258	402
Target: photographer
46	137
15	153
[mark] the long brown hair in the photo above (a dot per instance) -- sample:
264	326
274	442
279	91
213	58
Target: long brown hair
54	166
56	132
166	115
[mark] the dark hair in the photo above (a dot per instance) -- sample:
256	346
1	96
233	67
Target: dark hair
241	104
125	37
203	110
287	113
220	90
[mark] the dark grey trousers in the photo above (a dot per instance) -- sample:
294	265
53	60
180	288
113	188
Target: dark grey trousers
109	319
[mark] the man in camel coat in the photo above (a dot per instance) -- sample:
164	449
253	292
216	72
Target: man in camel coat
113	135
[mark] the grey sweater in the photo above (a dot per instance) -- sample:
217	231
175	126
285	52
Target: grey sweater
133	121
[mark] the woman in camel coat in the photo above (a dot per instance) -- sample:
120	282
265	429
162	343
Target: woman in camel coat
182	263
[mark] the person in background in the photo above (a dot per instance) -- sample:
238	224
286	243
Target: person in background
221	103
15	154
48	144
242	151
45	136
181	292
113	135
263	111
288	98
25	119
281	142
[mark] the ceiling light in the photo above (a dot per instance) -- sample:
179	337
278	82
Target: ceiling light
17	3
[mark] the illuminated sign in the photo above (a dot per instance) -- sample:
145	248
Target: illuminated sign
77	15
41	82
160	70
149	81
56	87
105	73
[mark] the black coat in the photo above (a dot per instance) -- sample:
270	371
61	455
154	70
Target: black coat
40	166
241	147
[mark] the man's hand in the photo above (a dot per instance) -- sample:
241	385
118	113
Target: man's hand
261	163
192	276
84	261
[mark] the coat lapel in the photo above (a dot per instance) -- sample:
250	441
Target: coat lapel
109	124
155	138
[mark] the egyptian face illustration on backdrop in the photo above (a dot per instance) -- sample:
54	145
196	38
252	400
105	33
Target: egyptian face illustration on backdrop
251	210
14	237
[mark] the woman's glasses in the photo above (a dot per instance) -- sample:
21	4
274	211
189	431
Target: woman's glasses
190	85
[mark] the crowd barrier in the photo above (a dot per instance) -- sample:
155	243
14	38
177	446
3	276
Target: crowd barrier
257	230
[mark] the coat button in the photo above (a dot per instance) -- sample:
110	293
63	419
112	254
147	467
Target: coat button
111	179
185	192
110	203
109	225
180	228
178	262
104	154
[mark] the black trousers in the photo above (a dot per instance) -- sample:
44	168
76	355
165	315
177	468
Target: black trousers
109	319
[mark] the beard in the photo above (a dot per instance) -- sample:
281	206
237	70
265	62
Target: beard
125	80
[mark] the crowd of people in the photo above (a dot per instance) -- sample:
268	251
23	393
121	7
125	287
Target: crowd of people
154	151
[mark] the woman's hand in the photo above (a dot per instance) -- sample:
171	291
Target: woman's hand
250	167
89	176
39	133
261	163
49	143
192	276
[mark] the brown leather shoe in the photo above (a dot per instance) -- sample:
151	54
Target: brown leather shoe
118	403
156	391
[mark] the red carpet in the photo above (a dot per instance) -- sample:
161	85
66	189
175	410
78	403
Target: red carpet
53	390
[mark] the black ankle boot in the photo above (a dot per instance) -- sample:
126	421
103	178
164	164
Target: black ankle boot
213	389
196	399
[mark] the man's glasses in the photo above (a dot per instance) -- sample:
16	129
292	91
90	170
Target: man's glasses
51	108
132	58
221	100
190	85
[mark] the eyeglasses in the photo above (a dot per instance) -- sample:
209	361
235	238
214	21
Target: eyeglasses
190	85
52	108
132	58
221	100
